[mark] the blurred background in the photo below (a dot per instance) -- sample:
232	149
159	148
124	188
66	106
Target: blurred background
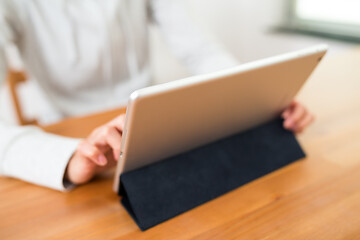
249	29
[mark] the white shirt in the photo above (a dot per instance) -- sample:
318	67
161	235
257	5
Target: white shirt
87	55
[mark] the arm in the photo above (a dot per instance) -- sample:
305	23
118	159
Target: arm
197	53
58	162
28	153
34	156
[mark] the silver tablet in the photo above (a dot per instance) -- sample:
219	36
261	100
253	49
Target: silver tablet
167	119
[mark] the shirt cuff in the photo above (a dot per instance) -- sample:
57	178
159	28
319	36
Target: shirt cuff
40	158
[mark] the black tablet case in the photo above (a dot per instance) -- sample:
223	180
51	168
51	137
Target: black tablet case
160	191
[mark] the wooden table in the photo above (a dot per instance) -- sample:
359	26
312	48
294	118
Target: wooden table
315	198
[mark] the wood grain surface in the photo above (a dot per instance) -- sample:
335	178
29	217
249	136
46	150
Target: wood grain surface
314	198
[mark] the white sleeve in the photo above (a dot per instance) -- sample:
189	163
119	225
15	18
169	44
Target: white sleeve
32	155
28	153
199	54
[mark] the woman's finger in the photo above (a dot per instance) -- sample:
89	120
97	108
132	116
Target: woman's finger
92	153
118	123
286	113
113	139
108	137
301	125
295	116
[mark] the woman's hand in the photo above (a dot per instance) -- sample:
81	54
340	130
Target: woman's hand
296	117
98	152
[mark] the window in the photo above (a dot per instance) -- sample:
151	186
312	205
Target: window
340	18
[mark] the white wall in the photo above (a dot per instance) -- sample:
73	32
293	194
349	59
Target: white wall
244	28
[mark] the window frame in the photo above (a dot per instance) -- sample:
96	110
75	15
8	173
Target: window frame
338	30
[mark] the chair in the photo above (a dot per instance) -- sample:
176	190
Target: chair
14	78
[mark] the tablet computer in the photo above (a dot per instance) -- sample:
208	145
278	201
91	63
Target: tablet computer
170	118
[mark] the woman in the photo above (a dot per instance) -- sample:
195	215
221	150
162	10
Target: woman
89	55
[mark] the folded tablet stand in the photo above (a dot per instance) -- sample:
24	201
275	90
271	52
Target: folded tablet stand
160	191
